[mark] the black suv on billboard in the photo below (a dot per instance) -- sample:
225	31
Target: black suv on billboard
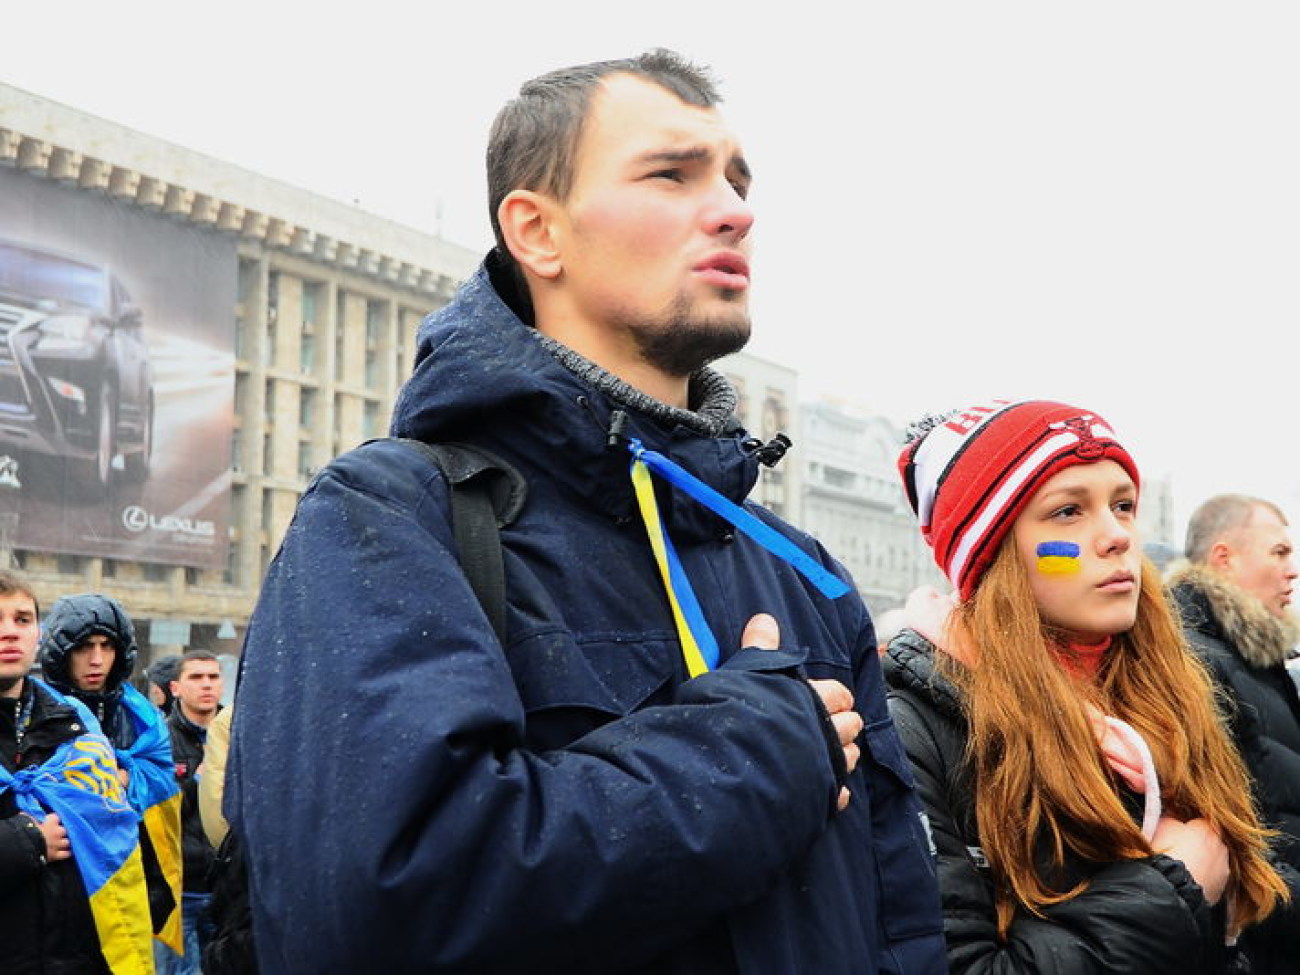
75	380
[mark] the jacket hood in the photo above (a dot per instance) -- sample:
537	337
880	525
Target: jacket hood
1220	609
73	620
483	376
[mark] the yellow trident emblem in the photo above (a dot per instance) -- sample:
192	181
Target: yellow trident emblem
94	769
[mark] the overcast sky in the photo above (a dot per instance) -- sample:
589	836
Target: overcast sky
956	201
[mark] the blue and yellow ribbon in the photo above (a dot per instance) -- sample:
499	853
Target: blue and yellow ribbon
699	647
79	784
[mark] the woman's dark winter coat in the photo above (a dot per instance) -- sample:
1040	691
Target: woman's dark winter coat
1143	916
1246	648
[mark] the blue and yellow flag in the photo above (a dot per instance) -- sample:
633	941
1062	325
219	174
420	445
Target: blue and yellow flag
153	792
79	784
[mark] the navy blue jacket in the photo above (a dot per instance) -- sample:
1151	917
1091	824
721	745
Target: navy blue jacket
416	797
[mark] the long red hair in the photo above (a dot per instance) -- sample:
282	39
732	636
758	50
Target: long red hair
1039	771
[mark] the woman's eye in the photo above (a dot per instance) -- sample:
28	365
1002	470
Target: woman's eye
672	174
1066	511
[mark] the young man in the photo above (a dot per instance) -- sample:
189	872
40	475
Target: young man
88	651
1234	594
603	792
197	693
47	924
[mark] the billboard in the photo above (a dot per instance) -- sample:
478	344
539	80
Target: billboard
117	376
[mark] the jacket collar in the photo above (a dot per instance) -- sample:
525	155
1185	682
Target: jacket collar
1215	607
483	376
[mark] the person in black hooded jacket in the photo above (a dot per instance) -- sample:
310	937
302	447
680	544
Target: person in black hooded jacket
88	651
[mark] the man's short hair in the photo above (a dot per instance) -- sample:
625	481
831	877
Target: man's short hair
190	655
1219	516
534	138
13	584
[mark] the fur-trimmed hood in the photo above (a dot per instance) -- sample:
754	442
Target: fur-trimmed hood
1222	610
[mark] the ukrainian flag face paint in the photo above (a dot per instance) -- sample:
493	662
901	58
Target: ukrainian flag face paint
1058	558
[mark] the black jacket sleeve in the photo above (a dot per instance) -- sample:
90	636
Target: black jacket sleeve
22	851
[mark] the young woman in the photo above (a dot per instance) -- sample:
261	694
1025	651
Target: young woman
1088	812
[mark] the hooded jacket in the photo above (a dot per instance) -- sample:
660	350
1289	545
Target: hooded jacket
1143	916
1245	648
72	621
417	797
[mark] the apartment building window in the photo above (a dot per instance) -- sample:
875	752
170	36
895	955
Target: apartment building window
70	565
306	408
310	303
230	573
370	421
246	285
108	568
374	334
837	478
305	466
340	333
272	316
153	572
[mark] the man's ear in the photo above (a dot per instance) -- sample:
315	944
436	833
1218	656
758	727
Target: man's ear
527	226
1219	557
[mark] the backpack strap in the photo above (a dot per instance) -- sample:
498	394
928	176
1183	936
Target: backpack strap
487	494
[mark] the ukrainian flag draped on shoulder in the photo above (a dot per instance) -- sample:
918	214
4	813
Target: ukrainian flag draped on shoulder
154	793
79	784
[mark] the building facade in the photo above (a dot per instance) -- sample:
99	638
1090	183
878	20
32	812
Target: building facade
854	504
322	318
768	405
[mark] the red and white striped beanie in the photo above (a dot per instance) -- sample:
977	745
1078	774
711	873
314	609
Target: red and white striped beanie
969	474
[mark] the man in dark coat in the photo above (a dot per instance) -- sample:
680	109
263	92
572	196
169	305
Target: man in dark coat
46	925
1234	594
197	692
680	759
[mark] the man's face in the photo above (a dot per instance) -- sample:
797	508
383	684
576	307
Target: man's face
654	237
19	634
197	687
90	662
1261	560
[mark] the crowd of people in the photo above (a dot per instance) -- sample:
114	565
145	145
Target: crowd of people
103	860
669	738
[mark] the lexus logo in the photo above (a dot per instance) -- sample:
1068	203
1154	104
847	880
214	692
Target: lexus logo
135	518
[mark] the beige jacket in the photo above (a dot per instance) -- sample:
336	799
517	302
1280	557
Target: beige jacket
212	782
